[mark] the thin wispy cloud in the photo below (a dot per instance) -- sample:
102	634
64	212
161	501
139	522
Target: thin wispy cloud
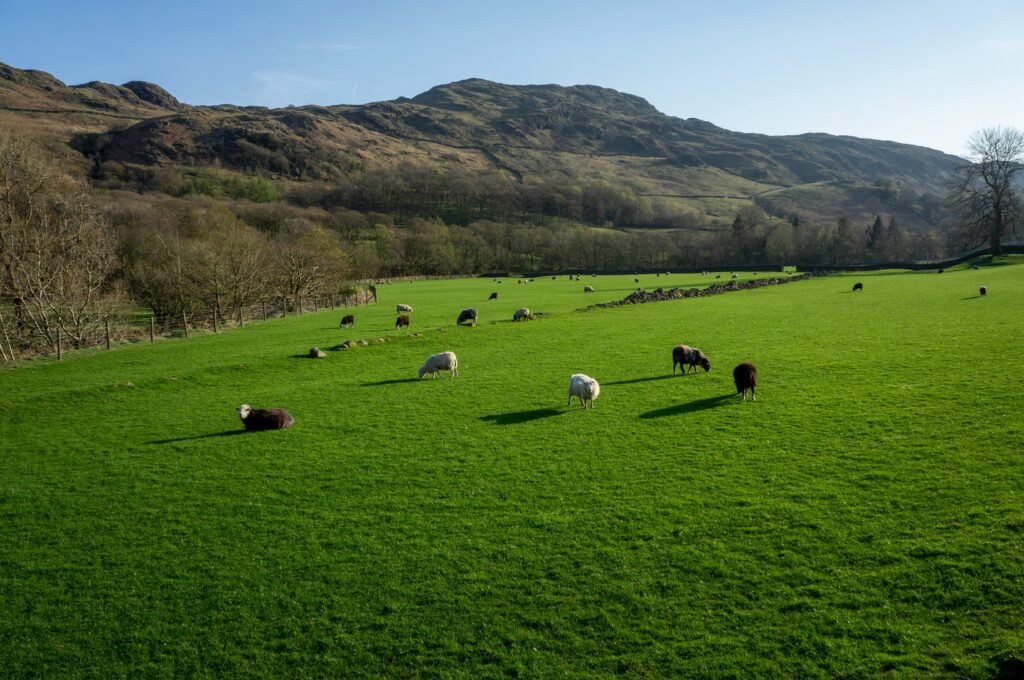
280	88
335	46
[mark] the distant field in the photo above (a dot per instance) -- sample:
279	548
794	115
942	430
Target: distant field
863	517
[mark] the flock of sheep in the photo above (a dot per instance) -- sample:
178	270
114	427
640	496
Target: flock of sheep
581	386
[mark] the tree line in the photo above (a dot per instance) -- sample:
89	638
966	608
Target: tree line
71	254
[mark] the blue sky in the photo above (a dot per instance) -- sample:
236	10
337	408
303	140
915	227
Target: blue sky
920	72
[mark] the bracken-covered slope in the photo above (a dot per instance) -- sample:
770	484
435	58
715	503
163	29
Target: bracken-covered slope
534	133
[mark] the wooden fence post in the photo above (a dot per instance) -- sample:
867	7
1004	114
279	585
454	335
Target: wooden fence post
264	310
106	325
240	322
284	306
298	301
184	322
60	346
152	329
215	329
316	306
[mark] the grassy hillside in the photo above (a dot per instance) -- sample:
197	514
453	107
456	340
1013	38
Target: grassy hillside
862	517
537	135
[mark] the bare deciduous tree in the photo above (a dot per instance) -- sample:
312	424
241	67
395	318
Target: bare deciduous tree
57	253
986	195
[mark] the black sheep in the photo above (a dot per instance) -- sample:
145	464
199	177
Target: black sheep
745	377
687	357
494	296
256	419
858	286
983	291
403	320
467	315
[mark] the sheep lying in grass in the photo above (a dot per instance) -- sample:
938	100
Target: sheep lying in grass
256	419
687	357
435	363
745	377
523	313
399	309
983	291
584	387
858	286
467	315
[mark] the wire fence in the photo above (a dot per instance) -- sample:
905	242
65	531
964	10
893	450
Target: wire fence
133	325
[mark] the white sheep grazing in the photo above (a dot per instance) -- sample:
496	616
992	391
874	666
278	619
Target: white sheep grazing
403	308
588	289
584	387
521	313
435	363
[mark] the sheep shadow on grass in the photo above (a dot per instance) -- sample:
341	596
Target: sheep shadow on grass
396	381
226	433
517	417
640	380
688	407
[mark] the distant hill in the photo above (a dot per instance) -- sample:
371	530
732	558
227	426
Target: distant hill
533	134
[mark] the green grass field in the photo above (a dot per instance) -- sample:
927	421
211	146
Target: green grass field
863	517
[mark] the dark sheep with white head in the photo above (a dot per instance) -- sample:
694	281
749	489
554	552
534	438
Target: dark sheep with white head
745	377
347	320
983	291
494	296
256	419
858	286
687	357
467	315
403	320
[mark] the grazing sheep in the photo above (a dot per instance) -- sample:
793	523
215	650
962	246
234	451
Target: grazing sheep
636	280
858	286
435	363
494	296
687	357
521	313
588	289
346	321
584	387
942	271
734	276
402	320
745	377
256	419
983	291
553	278
400	309
719	276
467	315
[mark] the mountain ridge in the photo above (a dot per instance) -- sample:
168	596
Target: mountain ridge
533	133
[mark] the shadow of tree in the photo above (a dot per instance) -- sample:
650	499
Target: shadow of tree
226	433
516	417
688	407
